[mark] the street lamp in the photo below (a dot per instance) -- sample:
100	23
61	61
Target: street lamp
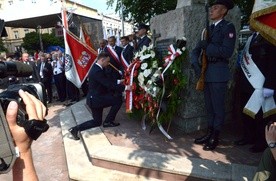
40	39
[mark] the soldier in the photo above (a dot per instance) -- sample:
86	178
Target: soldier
144	40
219	48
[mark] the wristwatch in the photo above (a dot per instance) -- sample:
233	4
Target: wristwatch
272	145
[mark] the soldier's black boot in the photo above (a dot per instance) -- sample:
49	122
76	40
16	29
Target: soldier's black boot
213	141
205	138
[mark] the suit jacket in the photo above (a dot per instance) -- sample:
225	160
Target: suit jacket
34	78
128	53
99	86
144	41
263	55
221	46
47	71
111	72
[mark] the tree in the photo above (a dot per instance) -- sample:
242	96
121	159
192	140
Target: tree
141	10
2	47
31	41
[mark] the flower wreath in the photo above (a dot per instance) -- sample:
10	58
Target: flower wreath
156	84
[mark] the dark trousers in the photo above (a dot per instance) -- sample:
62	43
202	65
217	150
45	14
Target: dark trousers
60	85
48	86
214	95
106	101
73	92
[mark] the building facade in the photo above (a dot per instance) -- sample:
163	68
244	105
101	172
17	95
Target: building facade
97	26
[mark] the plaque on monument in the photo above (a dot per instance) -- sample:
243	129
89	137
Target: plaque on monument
162	47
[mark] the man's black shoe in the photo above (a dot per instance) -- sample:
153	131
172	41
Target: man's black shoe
110	124
74	133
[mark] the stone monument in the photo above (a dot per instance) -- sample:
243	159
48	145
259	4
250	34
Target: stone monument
188	20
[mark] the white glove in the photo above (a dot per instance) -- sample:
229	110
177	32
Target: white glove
268	92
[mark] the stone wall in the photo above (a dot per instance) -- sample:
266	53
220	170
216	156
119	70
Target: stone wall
189	21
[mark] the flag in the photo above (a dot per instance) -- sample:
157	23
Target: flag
263	19
84	37
79	57
78	61
118	42
104	34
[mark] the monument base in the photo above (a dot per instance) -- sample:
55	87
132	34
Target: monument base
189	21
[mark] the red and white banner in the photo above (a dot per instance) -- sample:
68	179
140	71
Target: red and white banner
84	37
79	57
263	19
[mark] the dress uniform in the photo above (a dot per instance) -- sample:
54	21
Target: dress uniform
219	48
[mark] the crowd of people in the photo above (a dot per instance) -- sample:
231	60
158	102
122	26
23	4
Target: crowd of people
48	69
105	84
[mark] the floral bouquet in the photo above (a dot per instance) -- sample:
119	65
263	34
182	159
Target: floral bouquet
156	84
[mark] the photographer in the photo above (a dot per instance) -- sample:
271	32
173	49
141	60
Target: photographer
267	166
23	168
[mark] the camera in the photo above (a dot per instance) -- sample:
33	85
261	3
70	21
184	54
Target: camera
33	128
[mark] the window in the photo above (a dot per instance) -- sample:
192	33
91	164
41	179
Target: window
26	31
16	35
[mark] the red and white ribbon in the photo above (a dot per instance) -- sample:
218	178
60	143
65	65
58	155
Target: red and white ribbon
113	54
124	62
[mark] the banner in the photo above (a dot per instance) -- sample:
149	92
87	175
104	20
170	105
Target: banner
84	37
79	58
263	19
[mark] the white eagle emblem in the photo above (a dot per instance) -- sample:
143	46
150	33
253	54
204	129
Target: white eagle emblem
84	58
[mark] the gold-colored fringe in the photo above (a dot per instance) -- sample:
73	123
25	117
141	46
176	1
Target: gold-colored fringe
266	31
249	113
269	113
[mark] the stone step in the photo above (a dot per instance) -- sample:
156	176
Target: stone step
79	164
136	162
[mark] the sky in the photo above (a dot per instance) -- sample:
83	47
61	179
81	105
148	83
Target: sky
100	5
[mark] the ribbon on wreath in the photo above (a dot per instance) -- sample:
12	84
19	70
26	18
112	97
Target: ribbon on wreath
172	55
168	62
129	93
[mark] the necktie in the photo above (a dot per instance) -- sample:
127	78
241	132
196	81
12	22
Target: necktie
212	28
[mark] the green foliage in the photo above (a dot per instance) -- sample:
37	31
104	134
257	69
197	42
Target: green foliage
31	41
2	47
141	10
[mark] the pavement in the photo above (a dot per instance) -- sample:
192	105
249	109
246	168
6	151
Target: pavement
128	152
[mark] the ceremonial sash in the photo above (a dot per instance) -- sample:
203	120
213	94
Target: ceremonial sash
256	79
113	54
124	62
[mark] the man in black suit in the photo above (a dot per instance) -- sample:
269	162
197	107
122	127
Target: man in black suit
34	78
127	53
142	34
114	53
46	74
263	55
100	97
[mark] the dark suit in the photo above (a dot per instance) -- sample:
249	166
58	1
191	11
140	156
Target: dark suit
34	78
219	49
128	53
100	97
46	78
143	41
263	55
113	74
